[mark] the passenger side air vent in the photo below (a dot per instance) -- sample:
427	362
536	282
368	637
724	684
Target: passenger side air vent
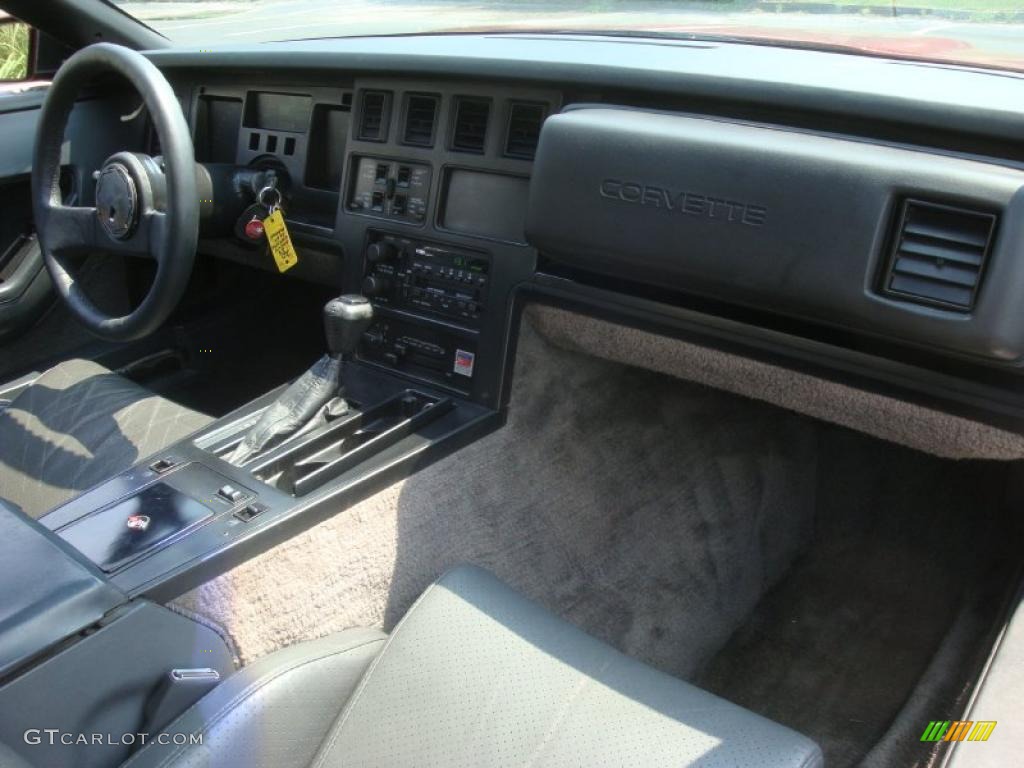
420	118
524	123
938	254
470	131
373	116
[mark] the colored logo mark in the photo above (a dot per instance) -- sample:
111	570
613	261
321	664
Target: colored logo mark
958	730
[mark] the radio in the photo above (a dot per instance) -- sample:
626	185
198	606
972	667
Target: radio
427	352
410	274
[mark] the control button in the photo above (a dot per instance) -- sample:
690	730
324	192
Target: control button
375	285
163	465
249	511
229	493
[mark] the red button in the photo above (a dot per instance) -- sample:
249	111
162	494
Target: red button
254	229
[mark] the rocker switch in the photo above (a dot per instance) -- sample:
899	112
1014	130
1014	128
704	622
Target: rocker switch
163	465
250	511
230	493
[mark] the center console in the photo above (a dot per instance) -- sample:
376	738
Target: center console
187	514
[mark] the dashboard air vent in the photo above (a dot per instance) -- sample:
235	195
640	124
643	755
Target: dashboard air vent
420	117
470	131
524	123
373	116
938	254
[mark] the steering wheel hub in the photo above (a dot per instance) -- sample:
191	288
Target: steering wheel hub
117	201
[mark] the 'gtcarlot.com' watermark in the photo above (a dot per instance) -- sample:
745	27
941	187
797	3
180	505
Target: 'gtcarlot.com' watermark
55	736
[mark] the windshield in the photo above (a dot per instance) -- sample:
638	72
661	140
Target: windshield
987	33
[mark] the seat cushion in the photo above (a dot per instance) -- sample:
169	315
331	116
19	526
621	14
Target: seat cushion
275	712
77	425
474	675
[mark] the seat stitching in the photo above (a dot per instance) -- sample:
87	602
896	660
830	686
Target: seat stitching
248	691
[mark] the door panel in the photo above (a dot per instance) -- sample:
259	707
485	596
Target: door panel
25	289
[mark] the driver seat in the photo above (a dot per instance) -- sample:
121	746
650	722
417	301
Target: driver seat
77	425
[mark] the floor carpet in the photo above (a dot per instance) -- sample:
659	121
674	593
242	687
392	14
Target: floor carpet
798	569
903	543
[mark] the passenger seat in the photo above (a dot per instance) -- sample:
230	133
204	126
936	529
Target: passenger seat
474	675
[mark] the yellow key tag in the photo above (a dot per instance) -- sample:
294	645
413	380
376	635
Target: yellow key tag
280	241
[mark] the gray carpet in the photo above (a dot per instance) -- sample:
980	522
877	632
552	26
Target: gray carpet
907	549
888	418
650	512
658	515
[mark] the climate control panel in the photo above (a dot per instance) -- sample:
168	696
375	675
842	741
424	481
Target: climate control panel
391	189
424	277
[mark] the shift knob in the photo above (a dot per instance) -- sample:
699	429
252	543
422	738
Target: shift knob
346	318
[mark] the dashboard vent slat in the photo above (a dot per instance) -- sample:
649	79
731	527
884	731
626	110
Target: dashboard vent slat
938	254
933	251
935	232
420	120
373	116
469	133
524	122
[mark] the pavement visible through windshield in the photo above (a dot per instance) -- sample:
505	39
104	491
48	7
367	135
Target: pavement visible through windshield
987	32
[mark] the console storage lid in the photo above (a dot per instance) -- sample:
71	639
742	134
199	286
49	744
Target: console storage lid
50	592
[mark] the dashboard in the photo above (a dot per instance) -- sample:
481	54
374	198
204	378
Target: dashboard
849	214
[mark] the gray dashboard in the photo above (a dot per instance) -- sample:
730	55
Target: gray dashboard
853	181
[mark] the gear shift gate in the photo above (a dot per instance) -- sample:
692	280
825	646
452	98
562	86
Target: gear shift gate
303	465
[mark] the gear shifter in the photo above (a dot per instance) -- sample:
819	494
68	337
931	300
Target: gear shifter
314	397
346	319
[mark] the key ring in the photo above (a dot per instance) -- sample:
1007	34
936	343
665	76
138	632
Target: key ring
266	190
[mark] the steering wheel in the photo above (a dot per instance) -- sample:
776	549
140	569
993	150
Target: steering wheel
143	208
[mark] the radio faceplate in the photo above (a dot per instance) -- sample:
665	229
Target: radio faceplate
423	277
423	351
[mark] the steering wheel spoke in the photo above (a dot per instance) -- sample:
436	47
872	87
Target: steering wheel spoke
70	229
146	240
153	228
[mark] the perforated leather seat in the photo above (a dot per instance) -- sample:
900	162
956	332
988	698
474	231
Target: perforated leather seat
77	425
474	675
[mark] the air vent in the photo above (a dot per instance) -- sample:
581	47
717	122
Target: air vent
373	116
420	118
524	123
470	131
938	254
